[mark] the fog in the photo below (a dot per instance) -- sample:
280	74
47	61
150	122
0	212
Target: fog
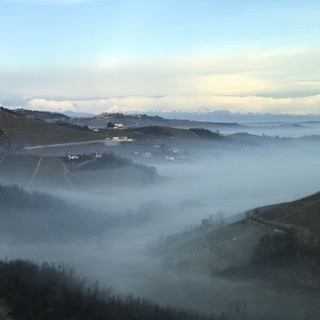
224	181
281	129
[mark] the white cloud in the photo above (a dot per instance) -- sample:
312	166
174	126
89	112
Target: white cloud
292	105
286	81
51	105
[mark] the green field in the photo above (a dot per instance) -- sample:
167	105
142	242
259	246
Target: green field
27	132
230	248
303	214
17	170
40	173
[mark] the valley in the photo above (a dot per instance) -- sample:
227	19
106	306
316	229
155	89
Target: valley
171	214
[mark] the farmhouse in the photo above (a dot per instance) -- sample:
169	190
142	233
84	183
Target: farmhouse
111	142
71	157
122	139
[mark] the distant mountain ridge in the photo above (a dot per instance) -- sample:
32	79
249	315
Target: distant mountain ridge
23	130
205	115
139	120
228	116
42	115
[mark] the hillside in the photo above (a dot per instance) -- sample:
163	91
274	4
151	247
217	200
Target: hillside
86	172
302	215
141	120
34	217
38	217
28	131
265	264
47	291
5	142
234	244
41	115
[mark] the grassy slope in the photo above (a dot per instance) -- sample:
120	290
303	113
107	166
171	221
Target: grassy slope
25	131
303	214
233	244
52	172
153	132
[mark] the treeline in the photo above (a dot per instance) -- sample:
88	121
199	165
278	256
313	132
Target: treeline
6	143
41	115
16	198
285	249
289	251
37	216
50	292
5	110
164	243
206	133
109	161
72	125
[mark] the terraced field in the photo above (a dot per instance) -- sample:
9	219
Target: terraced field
232	245
303	214
17	170
40	173
51	172
25	131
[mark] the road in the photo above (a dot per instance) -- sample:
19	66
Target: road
61	145
35	172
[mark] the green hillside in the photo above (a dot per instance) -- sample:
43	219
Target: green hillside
302	214
85	172
26	131
279	236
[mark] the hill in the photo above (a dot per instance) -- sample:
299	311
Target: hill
23	130
30	217
140	120
235	243
41	115
43	292
302	215
28	131
6	143
271	257
38	217
85	172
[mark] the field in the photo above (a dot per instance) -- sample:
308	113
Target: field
25	131
14	169
197	261
195	287
39	173
303	214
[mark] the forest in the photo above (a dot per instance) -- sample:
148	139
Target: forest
48	291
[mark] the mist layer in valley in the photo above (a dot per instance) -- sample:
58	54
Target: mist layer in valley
109	231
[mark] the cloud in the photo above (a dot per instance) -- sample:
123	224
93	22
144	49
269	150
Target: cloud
187	103
51	105
285	81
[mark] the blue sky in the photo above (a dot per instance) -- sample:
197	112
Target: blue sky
139	55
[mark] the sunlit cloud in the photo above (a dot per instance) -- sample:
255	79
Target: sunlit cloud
257	82
204	103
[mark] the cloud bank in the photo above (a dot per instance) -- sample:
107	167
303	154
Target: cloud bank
277	82
187	103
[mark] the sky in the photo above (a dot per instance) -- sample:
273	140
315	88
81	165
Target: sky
161	55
